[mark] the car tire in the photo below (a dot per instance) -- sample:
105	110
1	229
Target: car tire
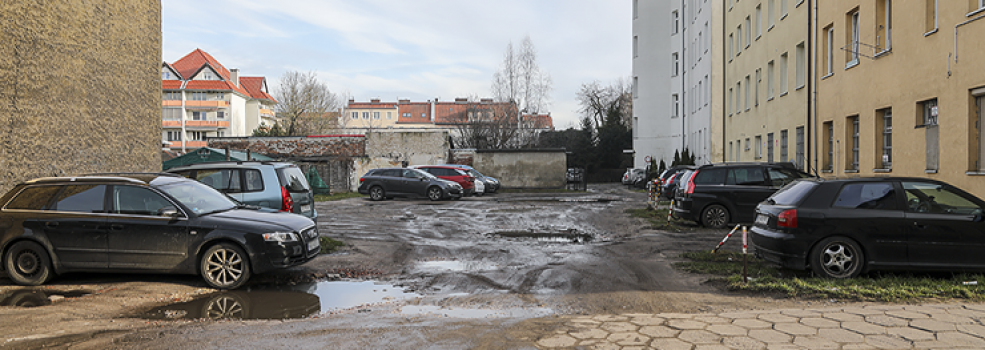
837	257
377	193
434	193
225	266
715	216
225	306
28	264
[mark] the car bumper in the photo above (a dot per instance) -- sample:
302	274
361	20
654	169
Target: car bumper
281	255
781	248
682	209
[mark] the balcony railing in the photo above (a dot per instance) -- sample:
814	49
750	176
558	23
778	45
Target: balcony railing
196	123
266	112
188	144
206	104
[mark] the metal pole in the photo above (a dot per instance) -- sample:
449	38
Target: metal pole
745	263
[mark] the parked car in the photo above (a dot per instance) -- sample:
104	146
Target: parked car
715	195
146	223
276	185
632	175
387	183
452	173
840	228
670	178
491	183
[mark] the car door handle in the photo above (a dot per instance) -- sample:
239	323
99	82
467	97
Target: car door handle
51	224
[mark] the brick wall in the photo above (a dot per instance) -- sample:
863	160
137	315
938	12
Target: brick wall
296	147
80	88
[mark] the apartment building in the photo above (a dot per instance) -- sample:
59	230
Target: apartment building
371	115
900	89
675	53
766	81
201	98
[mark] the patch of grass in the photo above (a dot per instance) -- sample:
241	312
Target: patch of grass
329	245
658	219
337	196
537	190
889	287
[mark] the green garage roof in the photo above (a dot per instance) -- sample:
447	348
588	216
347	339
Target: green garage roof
208	155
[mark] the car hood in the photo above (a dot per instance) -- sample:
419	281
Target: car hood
253	220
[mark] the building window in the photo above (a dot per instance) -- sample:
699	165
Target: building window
759	21
731	47
853	39
827	60
738	150
759	147
389	115
930	112
854	131
199	96
801	66
769	147
769	81
738	97
365	115
355	115
783	9
930	19
748	31
829	135
376	115
220	114
748	144
738	40
636	87
172	95
707	91
801	160
199	135
783	146
424	115
675	21
406	115
636	5
759	80
171	114
705	43
747	94
730	109
886	126
174	135
675	105
978	119
884	25
636	43
976	5
730	155
783	74
199	115
220	96
770	13
676	61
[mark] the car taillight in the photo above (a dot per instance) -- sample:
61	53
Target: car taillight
287	203
690	182
787	218
361	179
670	180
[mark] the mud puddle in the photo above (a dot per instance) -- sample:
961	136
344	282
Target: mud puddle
552	237
452	312
37	297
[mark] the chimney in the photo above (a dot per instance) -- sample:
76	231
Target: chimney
461	100
404	101
433	107
234	76
375	100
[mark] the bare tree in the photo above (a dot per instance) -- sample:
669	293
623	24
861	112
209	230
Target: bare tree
485	124
520	80
600	102
306	105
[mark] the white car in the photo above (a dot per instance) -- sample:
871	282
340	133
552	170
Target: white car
480	187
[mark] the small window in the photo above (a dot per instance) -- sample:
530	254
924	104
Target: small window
254	182
751	176
81	198
926	197
376	115
867	196
293	179
33	198
225	180
133	200
710	177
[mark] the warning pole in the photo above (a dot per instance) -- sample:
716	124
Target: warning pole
726	238
745	264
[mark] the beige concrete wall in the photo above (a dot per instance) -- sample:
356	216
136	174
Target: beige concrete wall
396	149
80	88
524	168
924	63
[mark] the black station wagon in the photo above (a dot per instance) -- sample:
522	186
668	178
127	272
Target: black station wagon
157	223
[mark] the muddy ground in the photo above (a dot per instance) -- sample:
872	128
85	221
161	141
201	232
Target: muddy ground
483	272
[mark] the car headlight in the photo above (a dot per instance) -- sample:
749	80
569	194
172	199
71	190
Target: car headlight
280	237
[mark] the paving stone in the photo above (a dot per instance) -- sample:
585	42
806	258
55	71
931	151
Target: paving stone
887	321
713	319
637	315
795	329
975	314
635	347
818	322
815	343
648	321
887	342
606	346
949	318
961	340
801	313
978	307
927	309
864	328
752	324
659	331
557	341
700	337
862	311
770	336
840	335
610	318
782	346
686	324
743	343
594	333
972	329
885	307
709	347
911	334
590	342
727	329
932	326
843	317
777	318
628	339
738	315
670	344
857	346
618	327
676	315
909	315
584	320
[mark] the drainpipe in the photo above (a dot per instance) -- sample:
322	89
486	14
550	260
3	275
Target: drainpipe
811	132
183	112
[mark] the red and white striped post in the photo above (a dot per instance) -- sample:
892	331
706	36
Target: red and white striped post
745	264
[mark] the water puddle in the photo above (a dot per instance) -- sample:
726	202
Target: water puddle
552	237
474	313
455	266
37	297
282	302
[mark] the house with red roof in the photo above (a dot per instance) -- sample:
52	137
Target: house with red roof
202	99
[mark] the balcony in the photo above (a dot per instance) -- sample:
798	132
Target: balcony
206	124
171	103
206	104
188	144
266	112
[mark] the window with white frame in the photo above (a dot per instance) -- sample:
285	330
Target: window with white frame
884	25
747	144
829	50
675	59
747	94
829	130
769	147
783	9
355	115
783	146
770	13
853	123
198	135
759	21
738	97
886	126
731	47
389	115
853	49
675	105
759	147
930	17
730	102
748	31
199	115
365	115
376	115
636	43
759	80
174	135
770	84
801	66
783	74
738	40
675	20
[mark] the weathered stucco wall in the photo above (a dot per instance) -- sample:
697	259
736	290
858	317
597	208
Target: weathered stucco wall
523	168
397	149
296	147
80	88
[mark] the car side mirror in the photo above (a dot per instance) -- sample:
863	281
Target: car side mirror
168	212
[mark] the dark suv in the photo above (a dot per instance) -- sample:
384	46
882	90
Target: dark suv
387	183
715	195
144	223
275	185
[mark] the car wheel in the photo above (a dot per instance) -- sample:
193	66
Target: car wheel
376	193
434	193
224	307
225	266
28	264
837	257
715	216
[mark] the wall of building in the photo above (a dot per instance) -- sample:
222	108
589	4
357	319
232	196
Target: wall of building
398	149
656	132
527	168
65	107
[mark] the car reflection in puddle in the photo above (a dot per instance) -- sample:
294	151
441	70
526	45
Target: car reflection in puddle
281	302
36	297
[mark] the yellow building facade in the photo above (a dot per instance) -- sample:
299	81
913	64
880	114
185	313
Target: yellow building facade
900	90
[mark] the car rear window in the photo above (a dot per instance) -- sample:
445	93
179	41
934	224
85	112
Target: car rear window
793	193
293	179
710	177
33	198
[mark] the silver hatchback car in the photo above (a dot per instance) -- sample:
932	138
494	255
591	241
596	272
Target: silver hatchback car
275	185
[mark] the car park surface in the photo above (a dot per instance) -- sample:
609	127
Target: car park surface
148	223
276	185
387	183
841	228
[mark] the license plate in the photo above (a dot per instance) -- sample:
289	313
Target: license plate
305	208
762	219
314	245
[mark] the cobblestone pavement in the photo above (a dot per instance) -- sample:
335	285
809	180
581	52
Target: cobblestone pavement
934	326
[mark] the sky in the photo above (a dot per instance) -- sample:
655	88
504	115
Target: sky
414	49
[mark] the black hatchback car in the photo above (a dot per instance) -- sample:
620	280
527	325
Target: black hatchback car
840	228
387	183
716	194
156	223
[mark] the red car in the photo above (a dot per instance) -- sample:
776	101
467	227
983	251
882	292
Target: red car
459	175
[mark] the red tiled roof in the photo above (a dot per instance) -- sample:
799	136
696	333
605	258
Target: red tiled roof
451	113
254	85
190	64
415	109
540	121
171	84
173	70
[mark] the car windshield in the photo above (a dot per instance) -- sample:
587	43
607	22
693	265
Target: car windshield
200	198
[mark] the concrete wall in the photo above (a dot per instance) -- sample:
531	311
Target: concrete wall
80	88
531	168
296	147
396	149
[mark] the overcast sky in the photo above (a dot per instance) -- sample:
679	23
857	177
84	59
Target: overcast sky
416	49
